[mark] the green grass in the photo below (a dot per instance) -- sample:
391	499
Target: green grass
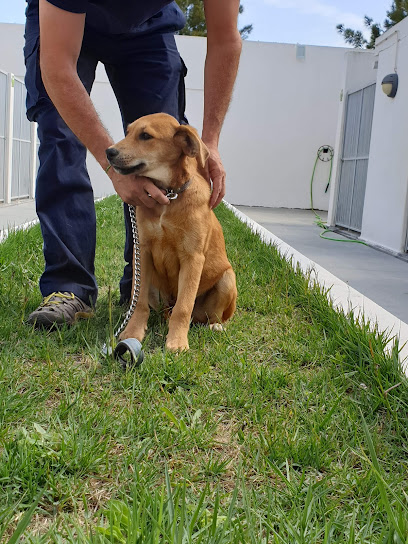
283	429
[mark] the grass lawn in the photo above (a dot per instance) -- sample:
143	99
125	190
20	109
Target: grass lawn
286	428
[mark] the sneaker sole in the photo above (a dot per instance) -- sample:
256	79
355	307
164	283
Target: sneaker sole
42	322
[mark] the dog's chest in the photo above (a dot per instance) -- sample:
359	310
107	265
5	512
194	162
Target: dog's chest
161	237
155	230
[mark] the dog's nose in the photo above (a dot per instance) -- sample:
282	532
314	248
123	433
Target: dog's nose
111	153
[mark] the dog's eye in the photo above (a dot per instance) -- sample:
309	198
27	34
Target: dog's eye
145	136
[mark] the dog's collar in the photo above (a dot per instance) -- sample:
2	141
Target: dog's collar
172	194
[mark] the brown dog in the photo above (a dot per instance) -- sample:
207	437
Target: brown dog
183	258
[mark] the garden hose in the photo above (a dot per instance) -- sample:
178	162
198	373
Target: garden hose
325	153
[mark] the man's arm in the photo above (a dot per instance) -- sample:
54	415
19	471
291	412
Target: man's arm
224	46
61	34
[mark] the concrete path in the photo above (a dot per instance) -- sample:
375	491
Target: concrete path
15	215
375	274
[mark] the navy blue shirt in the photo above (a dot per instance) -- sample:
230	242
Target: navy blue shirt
123	16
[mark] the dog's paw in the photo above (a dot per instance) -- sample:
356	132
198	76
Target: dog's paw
216	327
176	345
131	332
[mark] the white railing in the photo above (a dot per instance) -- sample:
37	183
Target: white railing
18	142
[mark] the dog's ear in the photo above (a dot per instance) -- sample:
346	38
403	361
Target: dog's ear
191	144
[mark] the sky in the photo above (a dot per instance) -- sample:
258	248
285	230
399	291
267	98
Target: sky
309	22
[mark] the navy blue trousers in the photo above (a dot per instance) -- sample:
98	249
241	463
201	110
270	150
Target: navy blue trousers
147	76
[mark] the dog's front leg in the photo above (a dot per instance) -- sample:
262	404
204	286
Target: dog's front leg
136	328
188	283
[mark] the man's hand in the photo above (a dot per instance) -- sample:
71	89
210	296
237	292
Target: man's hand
216	173
137	190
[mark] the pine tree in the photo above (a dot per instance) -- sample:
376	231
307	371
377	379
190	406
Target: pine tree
398	11
194	12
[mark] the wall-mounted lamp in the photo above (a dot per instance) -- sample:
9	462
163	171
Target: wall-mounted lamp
390	85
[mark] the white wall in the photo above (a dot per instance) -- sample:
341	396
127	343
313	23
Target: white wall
386	201
385	214
283	110
11	47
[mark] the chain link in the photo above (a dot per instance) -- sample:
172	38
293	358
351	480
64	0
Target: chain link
136	271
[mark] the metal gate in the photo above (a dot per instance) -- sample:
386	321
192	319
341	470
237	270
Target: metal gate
354	160
18	142
3	132
22	155
406	242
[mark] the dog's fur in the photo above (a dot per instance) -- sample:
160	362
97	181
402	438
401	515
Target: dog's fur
183	258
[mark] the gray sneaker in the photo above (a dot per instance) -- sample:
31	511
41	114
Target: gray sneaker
59	308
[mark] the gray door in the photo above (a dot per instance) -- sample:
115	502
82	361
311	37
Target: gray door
354	160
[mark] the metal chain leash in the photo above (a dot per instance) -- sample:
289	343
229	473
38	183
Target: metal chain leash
136	268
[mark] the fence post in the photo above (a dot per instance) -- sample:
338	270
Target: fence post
9	139
34	152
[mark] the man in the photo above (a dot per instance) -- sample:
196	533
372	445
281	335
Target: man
134	39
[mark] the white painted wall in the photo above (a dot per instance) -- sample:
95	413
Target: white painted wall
386	201
283	110
11	47
385	217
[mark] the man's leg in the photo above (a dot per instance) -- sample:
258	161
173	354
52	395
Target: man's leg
64	196
65	208
147	76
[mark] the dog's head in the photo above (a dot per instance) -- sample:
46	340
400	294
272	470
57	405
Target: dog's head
154	146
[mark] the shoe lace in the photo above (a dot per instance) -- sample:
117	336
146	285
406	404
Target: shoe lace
57	298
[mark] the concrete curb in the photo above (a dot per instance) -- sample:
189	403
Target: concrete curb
341	295
4	233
